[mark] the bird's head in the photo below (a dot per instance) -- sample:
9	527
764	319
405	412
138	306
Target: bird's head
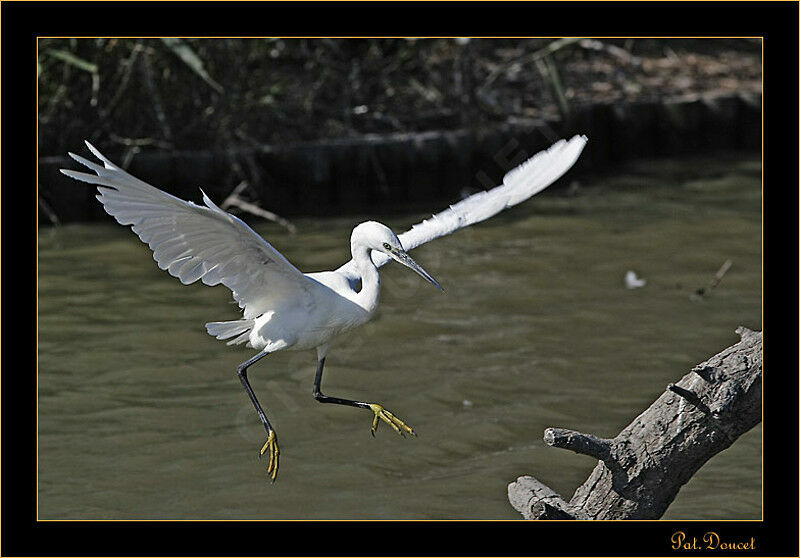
379	237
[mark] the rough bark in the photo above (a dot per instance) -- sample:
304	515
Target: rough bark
641	470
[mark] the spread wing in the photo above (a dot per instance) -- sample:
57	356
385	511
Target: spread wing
519	184
194	242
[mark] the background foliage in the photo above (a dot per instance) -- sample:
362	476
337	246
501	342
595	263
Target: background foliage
211	93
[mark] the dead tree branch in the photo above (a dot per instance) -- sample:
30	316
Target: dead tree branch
641	470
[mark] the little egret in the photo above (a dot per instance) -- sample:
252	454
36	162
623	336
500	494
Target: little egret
283	308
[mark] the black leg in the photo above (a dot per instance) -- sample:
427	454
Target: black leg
242	372
322	398
271	444
380	413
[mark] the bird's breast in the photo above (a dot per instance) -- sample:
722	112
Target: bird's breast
334	310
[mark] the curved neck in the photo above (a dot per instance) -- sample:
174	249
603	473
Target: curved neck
370	291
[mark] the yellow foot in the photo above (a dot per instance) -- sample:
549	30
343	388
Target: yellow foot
380	413
271	446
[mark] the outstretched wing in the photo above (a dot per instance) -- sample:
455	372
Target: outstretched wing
194	242
519	184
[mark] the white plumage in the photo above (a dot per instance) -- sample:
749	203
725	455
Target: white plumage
194	242
282	307
519	184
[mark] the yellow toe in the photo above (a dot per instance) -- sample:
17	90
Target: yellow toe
386	416
271	446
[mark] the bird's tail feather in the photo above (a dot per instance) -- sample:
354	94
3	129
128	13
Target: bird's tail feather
238	329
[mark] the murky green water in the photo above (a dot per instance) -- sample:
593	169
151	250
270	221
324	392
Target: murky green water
141	414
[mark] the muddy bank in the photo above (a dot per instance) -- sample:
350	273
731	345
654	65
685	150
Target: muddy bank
411	171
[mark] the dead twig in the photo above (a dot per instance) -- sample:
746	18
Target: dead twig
233	200
161	116
47	210
551	48
139	142
705	291
126	68
615	51
549	72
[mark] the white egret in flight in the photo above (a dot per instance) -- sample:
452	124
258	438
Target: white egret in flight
285	309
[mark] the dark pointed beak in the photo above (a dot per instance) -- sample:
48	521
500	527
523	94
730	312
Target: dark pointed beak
406	260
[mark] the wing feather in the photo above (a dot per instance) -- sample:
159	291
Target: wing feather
194	242
519	184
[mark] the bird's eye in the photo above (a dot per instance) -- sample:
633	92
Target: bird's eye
387	246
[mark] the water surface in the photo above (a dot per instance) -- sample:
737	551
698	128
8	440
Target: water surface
141	415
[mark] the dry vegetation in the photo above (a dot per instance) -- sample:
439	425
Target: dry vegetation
212	93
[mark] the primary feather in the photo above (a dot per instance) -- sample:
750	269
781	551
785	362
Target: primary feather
519	184
194	242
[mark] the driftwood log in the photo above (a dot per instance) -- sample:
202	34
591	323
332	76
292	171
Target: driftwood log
641	470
